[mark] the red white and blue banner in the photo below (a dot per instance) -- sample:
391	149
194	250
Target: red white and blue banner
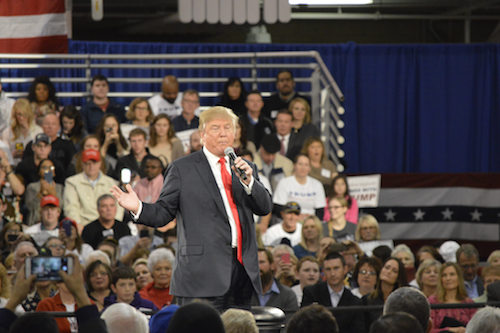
33	26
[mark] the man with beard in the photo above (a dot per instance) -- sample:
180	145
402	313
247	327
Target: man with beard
169	101
273	293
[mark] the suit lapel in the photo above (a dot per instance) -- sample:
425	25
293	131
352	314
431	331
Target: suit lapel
325	295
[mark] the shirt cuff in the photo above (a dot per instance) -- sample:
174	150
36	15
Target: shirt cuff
248	188
135	217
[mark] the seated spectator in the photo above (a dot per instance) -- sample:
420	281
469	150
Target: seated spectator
273	293
333	293
100	105
138	154
289	147
284	262
195	142
367	229
494	258
273	165
427	276
42	96
148	188
337	226
289	229
468	260
239	321
105	226
241	142
451	289
22	129
411	301
485	320
313	318
72	127
255	123
98	255
187	119
28	167
427	252
340	188
302	125
396	322
132	246
196	315
73	242
55	246
159	321
98	278
139	115
307	272
10	236
366	273
141	270
301	188
490	275
121	317
392	276
162	141
234	96
322	168
403	253
82	190
7	175
382	252
63	301
41	188
160	263
49	220
90	142
312	231
169	100
124	288
112	142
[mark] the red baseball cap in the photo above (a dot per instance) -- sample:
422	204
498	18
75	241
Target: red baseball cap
91	154
49	200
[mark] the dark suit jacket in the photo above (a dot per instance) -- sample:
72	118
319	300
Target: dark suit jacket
348	321
204	256
286	300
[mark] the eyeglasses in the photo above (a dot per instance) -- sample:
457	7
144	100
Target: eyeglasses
55	246
365	272
336	207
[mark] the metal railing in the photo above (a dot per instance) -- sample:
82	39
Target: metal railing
140	75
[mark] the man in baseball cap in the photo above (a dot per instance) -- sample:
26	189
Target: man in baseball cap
288	229
49	220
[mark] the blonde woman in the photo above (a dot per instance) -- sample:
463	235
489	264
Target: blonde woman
312	230
428	276
301	118
139	115
322	168
367	229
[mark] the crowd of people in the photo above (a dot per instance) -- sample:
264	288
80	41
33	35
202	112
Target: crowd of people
315	250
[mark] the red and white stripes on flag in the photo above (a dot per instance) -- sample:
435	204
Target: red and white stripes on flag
33	26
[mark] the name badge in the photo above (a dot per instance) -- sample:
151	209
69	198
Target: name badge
326	173
107	233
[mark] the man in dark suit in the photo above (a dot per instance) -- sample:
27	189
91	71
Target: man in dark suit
333	293
217	256
290	146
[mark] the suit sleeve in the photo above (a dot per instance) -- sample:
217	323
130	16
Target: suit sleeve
307	297
260	200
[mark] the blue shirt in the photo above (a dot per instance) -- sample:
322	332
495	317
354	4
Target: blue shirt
263	299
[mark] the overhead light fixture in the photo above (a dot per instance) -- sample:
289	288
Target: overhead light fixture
329	2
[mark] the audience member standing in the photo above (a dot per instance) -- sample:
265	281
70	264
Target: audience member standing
288	138
234	96
256	124
42	96
188	120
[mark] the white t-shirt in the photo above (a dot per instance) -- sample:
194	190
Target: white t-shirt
309	196
275	234
161	105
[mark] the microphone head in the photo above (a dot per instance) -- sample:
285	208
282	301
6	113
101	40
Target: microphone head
228	151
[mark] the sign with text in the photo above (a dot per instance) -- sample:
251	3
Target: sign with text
365	189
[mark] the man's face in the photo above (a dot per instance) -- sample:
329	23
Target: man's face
254	104
351	258
100	89
283	124
152	168
91	168
50	216
51	126
190	102
124	290
138	144
266	157
469	266
41	150
290	221
22	253
334	272
194	141
266	272
107	209
217	135
170	91
285	83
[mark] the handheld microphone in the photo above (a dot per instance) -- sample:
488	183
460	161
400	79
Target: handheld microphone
229	152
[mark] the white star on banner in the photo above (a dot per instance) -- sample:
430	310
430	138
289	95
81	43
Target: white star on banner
389	215
447	213
419	215
476	215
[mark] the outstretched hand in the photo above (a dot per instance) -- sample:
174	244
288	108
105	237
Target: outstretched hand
128	200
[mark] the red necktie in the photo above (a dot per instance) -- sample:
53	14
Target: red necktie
228	187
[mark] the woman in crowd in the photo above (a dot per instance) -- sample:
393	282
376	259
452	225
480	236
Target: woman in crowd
403	253
392	276
312	230
337	226
301	188
141	269
494	258
73	242
72	126
37	190
162	140
366	273
367	229
55	245
10	235
451	289
234	96
301	118
307	272
241	142
42	96
98	279
139	115
111	139
427	252
160	263
340	188
22	130
428	276
322	168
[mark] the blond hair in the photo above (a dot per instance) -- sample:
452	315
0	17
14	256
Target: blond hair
217	112
23	105
366	219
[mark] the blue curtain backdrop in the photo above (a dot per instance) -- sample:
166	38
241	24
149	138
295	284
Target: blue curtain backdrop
409	108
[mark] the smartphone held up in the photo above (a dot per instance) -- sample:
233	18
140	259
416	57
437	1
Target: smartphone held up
47	268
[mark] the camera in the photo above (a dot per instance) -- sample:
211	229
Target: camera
109	129
47	268
48	176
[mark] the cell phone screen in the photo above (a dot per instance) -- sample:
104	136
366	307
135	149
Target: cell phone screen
47	268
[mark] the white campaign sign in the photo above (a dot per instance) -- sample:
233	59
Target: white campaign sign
365	189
